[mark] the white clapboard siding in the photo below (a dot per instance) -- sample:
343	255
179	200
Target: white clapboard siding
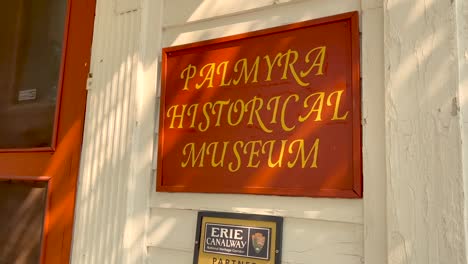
304	240
266	17
165	255
314	229
337	210
172	229
309	241
183	11
113	204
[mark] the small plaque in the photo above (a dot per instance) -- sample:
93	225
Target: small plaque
27	95
228	238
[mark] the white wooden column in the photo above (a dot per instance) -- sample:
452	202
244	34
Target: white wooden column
462	26
111	208
425	182
373	127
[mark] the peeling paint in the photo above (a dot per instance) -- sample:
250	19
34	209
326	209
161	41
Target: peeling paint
425	191
455	106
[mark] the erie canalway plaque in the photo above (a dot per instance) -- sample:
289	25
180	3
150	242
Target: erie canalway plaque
225	238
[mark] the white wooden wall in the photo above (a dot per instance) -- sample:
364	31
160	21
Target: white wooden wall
425	65
105	207
462	33
315	230
414	57
119	216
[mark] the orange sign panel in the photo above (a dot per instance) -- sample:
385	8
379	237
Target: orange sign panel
275	111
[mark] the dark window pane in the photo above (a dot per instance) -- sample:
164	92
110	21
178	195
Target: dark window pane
31	40
22	210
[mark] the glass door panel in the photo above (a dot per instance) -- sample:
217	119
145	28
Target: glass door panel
45	49
31	43
22	211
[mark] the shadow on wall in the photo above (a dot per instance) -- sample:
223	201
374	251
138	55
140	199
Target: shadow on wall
199	24
106	160
106	157
104	185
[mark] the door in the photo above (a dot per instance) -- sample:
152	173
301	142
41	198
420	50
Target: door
45	48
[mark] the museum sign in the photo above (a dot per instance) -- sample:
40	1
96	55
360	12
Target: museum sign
275	111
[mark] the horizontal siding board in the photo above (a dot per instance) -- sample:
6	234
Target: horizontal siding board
168	256
186	11
174	229
308	241
371	4
304	241
264	18
337	210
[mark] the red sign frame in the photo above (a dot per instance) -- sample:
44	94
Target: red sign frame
274	111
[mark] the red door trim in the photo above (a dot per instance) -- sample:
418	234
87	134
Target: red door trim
58	165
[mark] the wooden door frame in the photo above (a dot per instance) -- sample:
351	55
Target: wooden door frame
58	165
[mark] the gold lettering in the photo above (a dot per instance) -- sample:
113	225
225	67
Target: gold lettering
337	105
253	70
208	76
254	110
318	62
175	115
279	162
301	150
220	162
271	64
207	117
275	109
187	74
236	109
317	107
283	112
238	158
289	65
220	110
194	113
223	77
200	156
253	152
